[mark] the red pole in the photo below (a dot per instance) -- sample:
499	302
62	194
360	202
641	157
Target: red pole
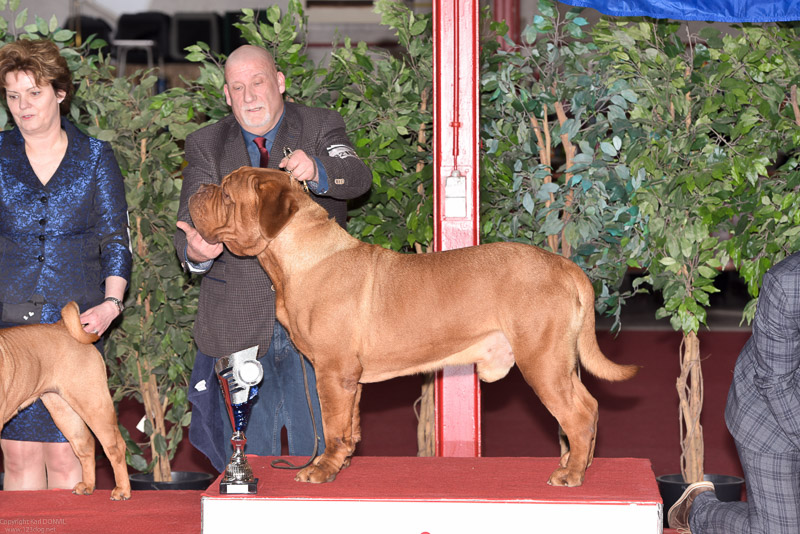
456	215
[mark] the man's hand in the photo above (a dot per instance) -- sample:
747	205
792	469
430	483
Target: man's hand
301	166
198	249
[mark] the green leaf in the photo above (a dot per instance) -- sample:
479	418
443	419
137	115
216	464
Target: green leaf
22	17
63	35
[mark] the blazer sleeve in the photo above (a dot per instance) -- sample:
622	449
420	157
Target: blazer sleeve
115	250
348	176
776	332
199	170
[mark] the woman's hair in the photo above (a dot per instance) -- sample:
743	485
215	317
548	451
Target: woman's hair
43	60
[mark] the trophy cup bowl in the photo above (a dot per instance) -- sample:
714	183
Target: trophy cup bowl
239	374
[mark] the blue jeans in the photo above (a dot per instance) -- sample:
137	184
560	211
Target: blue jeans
281	403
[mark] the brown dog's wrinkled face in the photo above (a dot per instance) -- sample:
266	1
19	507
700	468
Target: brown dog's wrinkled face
245	212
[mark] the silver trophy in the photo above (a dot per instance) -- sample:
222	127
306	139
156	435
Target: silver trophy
238	375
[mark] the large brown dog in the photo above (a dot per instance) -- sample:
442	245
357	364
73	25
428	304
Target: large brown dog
361	313
58	363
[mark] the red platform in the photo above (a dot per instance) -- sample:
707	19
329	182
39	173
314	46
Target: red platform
442	496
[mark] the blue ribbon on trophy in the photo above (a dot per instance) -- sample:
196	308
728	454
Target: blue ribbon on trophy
239	374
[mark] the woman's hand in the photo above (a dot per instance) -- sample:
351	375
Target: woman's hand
97	319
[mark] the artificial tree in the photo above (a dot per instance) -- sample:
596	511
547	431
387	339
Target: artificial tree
151	353
706	146
556	138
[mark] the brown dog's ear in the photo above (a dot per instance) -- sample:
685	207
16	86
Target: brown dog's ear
278	205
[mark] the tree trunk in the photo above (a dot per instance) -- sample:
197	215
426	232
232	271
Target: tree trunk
162	471
426	417
690	394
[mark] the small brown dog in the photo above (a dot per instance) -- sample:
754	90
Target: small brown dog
58	363
361	313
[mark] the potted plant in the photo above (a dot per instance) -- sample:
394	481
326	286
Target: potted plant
150	354
707	145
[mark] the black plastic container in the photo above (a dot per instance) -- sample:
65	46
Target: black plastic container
181	480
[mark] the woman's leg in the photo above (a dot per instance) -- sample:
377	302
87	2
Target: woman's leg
24	465
63	467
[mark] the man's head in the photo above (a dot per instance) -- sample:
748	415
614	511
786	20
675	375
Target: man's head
254	89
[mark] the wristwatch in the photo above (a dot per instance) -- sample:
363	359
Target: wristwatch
118	303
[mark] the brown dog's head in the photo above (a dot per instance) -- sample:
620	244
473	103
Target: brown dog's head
247	211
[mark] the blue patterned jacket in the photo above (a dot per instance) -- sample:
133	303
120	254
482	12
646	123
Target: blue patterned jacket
61	240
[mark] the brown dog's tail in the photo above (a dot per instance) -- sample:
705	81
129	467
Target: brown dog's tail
592	358
71	317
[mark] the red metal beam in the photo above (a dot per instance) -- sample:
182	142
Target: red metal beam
456	216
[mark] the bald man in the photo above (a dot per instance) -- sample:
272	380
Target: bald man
237	300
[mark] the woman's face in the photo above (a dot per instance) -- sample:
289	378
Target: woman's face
35	109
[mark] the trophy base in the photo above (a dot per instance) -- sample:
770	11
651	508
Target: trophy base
238	488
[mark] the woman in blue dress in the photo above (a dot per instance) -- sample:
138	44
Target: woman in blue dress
63	236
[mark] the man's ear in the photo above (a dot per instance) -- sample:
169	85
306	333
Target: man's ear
278	205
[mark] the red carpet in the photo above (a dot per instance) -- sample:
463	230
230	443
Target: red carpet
61	512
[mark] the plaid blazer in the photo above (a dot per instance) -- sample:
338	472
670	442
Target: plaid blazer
763	410
237	301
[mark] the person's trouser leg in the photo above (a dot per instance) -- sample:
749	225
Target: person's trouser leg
773	499
295	396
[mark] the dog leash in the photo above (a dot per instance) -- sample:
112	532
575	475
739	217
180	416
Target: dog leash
280	463
287	153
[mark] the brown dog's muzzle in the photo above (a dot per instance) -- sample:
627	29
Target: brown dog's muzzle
206	208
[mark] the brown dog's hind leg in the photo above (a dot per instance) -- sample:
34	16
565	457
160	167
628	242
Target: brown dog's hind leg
100	416
565	397
579	421
337	398
80	439
356	424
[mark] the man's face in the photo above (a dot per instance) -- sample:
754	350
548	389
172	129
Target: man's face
254	91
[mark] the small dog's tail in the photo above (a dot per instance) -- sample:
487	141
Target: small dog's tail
71	317
591	357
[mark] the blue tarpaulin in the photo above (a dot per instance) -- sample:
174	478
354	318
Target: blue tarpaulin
716	10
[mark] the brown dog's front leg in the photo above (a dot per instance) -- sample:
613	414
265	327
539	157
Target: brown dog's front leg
337	398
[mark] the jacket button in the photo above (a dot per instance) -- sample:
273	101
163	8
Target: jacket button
43	200
40	258
42	221
41	237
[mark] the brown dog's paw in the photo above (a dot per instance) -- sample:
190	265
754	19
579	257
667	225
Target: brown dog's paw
316	475
565	477
119	494
82	489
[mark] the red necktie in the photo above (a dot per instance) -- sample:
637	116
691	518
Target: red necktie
261	143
